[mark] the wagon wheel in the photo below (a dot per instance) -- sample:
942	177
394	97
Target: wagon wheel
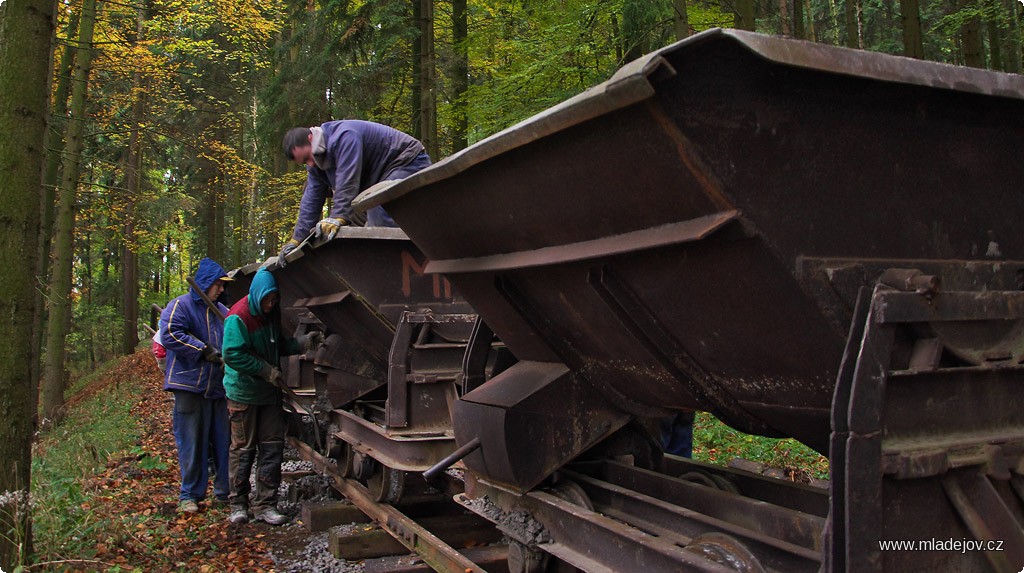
363	466
341	452
710	480
387	485
523	559
572	492
725	550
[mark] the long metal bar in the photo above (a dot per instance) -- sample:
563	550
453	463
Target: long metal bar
987	517
681	525
436	553
594	542
900	307
800	497
772	521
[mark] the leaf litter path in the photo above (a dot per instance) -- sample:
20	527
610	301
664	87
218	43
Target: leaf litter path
136	495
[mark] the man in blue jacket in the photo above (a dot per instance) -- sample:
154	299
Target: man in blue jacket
343	158
192	333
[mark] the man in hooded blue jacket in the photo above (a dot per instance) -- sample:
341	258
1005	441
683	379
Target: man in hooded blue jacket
192	334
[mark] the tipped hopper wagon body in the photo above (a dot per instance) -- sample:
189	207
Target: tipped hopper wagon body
736	223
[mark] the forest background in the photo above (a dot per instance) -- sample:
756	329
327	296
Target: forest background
165	117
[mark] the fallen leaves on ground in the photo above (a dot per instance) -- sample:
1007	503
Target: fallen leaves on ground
137	497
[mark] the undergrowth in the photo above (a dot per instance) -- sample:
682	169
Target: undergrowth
65	531
716	443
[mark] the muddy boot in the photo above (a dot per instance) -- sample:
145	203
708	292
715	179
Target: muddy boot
269	515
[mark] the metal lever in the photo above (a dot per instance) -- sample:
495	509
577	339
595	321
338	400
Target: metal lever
435	472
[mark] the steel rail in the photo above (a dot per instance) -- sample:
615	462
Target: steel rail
436	553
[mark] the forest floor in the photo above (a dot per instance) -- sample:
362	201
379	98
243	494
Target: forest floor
122	515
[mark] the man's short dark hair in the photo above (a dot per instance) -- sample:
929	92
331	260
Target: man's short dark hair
295	137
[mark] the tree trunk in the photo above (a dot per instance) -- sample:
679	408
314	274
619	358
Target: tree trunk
133	186
745	15
833	13
428	97
615	34
54	144
785	18
853	24
1013	43
682	20
972	45
417	77
52	394
812	33
460	76
167	269
798	20
26	40
994	42
910	14
158	264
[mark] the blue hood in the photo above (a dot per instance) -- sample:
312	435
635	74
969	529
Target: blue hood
262	285
207	273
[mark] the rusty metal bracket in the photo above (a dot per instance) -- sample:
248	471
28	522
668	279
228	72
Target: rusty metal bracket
904	434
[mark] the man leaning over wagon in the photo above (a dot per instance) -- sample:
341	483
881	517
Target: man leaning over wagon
191	332
253	346
343	158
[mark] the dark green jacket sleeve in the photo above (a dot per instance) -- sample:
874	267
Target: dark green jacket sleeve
237	350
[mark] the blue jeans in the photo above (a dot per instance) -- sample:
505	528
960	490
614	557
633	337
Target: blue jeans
201	432
377	216
677	434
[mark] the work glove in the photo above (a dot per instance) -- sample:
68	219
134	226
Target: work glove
210	354
272	375
326	230
310	341
288	247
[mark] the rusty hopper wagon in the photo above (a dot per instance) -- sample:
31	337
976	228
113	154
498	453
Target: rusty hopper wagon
382	381
806	241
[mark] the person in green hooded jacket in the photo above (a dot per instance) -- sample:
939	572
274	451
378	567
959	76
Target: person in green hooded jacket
252	350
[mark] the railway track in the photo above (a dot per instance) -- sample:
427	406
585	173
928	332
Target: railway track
439	555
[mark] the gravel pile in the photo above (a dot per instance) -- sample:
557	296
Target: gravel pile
316	558
519	525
